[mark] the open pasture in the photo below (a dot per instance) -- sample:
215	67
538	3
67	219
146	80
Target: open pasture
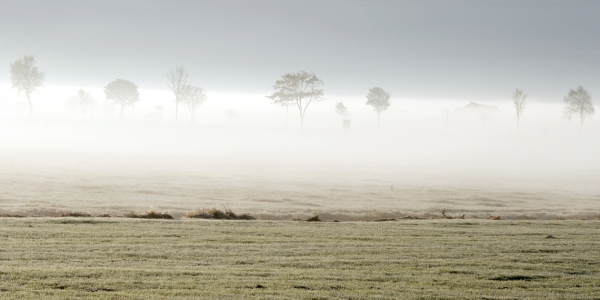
114	258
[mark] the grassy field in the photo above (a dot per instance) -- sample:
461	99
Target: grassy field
113	258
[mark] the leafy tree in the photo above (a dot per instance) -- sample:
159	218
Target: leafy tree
193	97
379	100
26	77
299	89
178	80
341	109
83	101
520	102
578	102
123	93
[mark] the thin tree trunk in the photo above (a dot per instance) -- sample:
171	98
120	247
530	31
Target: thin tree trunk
378	120
287	114
30	105
122	110
176	109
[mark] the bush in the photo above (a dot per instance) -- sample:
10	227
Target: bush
151	214
214	213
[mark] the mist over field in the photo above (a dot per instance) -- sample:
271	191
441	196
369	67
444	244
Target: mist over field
420	161
445	64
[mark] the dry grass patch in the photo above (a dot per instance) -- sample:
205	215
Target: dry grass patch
121	258
314	219
497	218
77	214
217	214
446	216
11	216
151	214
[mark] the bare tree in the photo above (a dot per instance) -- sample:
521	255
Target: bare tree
520	102
26	77
123	93
193	97
178	79
578	102
83	101
300	89
379	100
341	109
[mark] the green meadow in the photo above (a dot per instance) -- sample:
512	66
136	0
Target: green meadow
118	258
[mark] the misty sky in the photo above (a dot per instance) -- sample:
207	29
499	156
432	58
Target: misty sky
416	49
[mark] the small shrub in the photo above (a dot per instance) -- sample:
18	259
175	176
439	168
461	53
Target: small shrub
74	221
314	219
11	216
76	214
490	217
246	217
201	216
217	214
446	216
411	218
151	214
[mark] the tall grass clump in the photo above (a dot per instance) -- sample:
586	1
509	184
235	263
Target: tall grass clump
217	214
150	214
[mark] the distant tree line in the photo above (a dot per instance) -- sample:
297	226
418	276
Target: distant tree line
26	78
298	89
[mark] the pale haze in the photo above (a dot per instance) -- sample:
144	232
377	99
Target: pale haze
432	150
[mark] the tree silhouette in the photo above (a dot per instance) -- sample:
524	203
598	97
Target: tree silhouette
379	100
341	109
178	80
578	102
520	102
299	89
26	77
83	101
193	97
123	93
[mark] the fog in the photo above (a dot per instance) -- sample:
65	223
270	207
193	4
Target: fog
435	153
445	64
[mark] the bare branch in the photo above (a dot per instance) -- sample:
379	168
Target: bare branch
177	80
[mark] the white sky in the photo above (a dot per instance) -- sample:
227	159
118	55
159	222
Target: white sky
473	50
